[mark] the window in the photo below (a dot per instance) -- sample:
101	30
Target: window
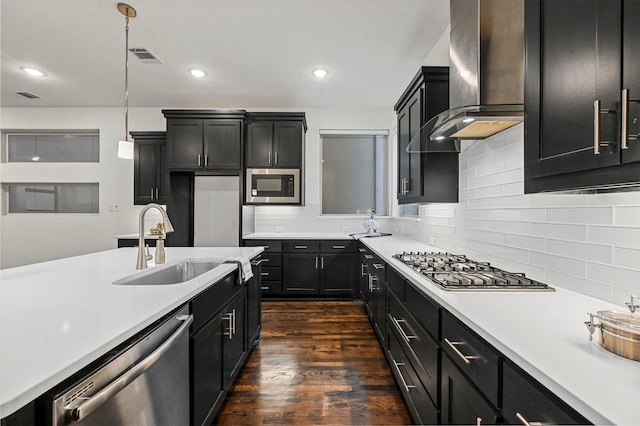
53	148
353	172
52	197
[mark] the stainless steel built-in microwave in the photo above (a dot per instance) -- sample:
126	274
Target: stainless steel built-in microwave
273	186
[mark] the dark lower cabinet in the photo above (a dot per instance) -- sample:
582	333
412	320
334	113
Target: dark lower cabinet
337	274
254	303
527	400
300	274
462	403
219	343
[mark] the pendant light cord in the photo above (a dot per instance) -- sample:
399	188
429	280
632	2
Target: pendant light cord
126	81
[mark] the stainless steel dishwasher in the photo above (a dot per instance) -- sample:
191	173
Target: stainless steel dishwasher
146	383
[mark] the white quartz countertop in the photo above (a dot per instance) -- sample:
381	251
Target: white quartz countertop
57	317
542	332
297	236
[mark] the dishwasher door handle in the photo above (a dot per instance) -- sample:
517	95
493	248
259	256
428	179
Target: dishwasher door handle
88	406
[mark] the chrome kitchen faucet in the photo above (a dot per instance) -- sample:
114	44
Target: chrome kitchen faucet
160	255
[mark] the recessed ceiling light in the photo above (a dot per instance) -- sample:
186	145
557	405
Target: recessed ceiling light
33	72
320	72
197	73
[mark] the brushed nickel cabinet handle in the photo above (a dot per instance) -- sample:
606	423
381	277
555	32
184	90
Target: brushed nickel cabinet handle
404	335
526	422
624	129
368	256
378	266
269	159
363	266
264	274
597	110
316	262
322	263
276	157
206	160
404	382
199	160
361	250
453	345
264	288
157	193
300	247
152	193
338	247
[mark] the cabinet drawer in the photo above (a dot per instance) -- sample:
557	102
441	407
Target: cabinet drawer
270	246
420	405
208	303
301	246
396	283
525	396
424	309
472	354
271	288
338	246
420	348
270	273
270	259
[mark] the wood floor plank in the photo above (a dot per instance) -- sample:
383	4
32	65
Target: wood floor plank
318	363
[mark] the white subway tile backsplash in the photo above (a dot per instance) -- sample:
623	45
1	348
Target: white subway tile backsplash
614	236
479	182
514	162
484	158
582	285
530	215
489	168
584	251
562	264
511	176
627	258
490	191
615	199
564	231
558	200
525	242
627	216
622	277
592	215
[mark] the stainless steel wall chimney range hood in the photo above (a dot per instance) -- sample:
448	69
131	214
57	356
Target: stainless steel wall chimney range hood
486	82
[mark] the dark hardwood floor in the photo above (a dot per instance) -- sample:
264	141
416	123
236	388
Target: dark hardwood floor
318	363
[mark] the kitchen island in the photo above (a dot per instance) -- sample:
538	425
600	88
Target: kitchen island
59	316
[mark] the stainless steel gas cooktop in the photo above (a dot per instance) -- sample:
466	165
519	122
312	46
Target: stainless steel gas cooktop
454	272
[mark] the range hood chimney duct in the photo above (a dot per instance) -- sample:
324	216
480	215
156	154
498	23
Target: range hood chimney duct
486	67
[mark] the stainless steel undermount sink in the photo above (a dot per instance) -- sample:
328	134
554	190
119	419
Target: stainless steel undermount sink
175	273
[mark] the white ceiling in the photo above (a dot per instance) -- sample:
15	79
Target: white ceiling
258	53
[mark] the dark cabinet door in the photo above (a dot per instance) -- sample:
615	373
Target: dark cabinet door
259	150
338	274
234	338
300	274
150	174
631	79
222	144
573	88
287	144
207	384
526	398
254	302
409	165
461	402
184	139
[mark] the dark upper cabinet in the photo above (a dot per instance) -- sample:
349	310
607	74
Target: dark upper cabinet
275	140
580	55
424	177
209	140
150	176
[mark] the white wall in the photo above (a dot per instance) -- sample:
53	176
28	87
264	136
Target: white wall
589	243
29	238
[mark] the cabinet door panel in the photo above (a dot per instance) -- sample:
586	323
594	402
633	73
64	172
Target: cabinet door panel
235	344
259	144
146	161
338	274
415	160
287	147
403	156
300	274
462	403
573	59
222	144
184	138
630	75
162	180
207	386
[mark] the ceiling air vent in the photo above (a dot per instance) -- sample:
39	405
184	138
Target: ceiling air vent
145	55
28	95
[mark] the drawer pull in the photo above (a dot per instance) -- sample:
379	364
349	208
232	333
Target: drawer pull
264	288
404	382
363	268
338	247
300	247
266	247
264	274
266	260
257	262
526	422
404	335
453	345
368	256
361	250
378	266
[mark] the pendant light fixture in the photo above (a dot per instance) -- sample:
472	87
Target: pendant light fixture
125	146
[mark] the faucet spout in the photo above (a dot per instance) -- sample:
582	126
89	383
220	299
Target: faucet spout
168	227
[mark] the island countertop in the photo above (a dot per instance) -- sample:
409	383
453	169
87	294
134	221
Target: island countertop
57	317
